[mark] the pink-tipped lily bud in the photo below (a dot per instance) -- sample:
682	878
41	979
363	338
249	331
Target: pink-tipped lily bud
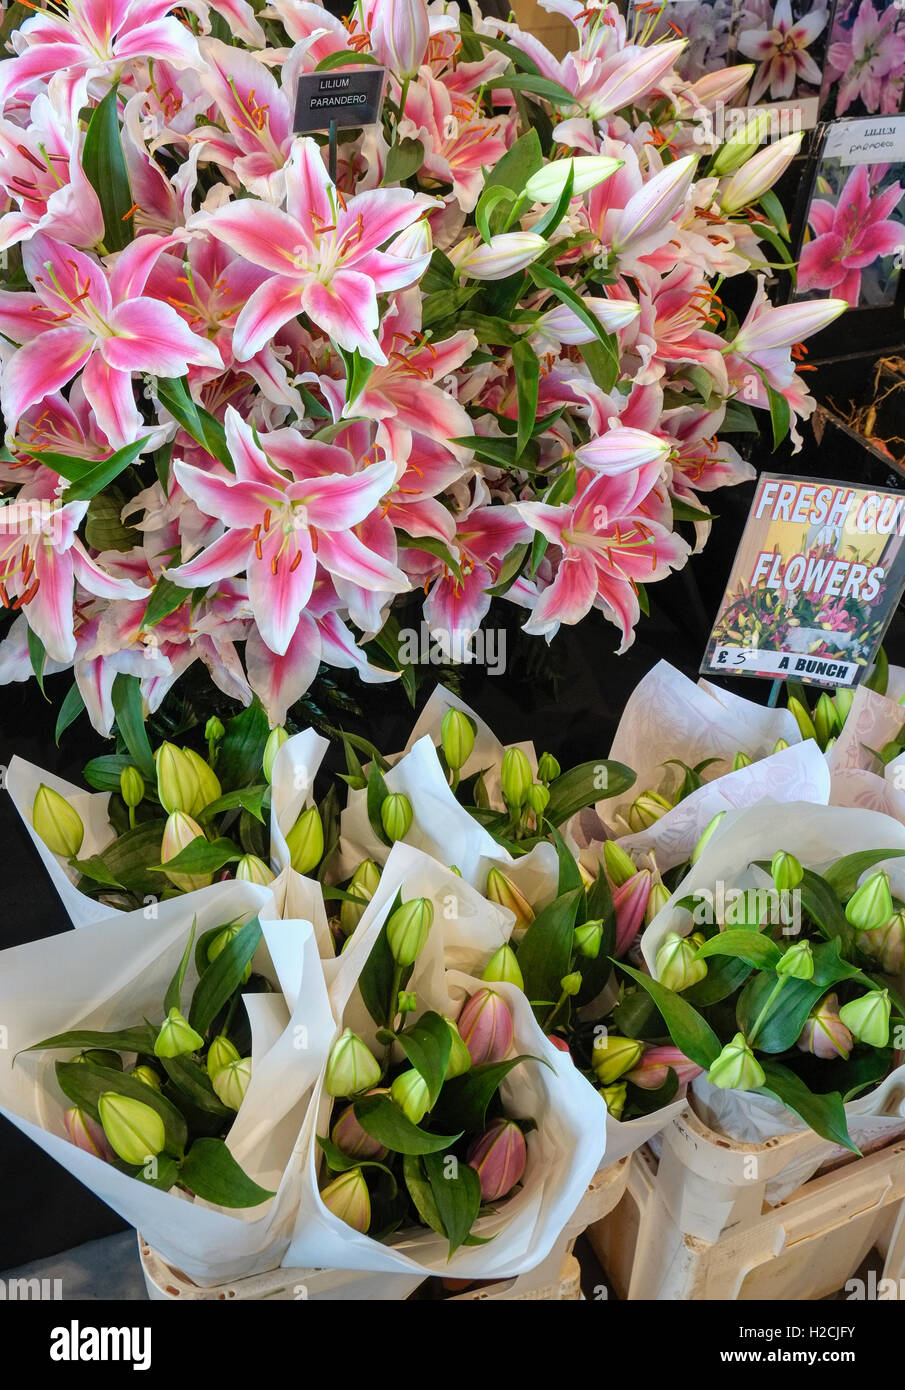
503	966
351	1067
400	33
485	1027
719	87
87	1134
58	824
179	832
251	869
355	1142
783	325
619	866
629	904
559	1043
638	72
824	1034
867	1017
347	1197
499	1158
659	897
501	256
646	810
639	227
885	945
871	905
759	173
651	1071
502	890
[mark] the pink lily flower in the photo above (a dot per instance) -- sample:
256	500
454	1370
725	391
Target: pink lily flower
653	1068
257	113
281	527
323	255
458	142
781	51
869	58
41	168
80	319
629	904
850	236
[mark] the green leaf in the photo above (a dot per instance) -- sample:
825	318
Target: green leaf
101	476
780	415
774	210
165	598
384	1121
210	1171
251	799
85	1082
94	868
192	1080
104	773
223	976
683	511
166	1168
376	796
130	722
691	1033
738	419
173	393
338	1162
37	656
581	786
546	225
724	976
358	371
70	709
492	196
202	856
547	279
527	384
537	86
878	679
464	1101
431	545
104	528
843	876
750	946
138	1040
821	904
404	158
343	59
105	168
173	997
569	873
427	1047
602	362
824	1114
419	1190
545	951
456	1190
523	159
375	983
241	754
125	861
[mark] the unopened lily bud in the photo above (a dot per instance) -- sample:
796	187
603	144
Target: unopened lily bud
214	733
651	1072
538	798
501	256
676	966
759	173
408	930
351	1066
871	905
503	891
646	810
132	787
786	870
559	1043
176	1036
548	184
251	869
231	1082
101	1057
134	1130
347	1197
400	33
485	1027
843	702
58	824
209	788
515	778
741	145
885	945
619	866
867	1018
824	1034
780	745
354	1141
629	904
706	836
87	1134
363	884
220	1054
177	780
587	939
276	738
548	768
736	1068
570	984
411	1093
741	760
587	878
797	962
614	1098
825	720
179	832
659	897
802	719
457	736
147	1075
499	1158
612	1056
406	1001
305	841
459	1056
221	941
504	967
396	816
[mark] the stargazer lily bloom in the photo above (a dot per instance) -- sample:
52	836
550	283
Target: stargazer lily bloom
291	506
781	51
850	236
324	255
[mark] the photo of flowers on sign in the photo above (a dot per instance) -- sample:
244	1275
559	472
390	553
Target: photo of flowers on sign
816	578
865	67
787	41
854	236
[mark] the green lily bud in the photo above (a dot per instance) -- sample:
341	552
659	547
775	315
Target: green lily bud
459	1056
587	938
676	966
798	962
351	1066
58	824
614	1098
843	702
780	745
736	1068
101	1057
659	897
214	732
802	719
613	1056
647	809
220	1054
363	884
503	891
396	816
347	1197
886	945
741	760
132	787
504	966
148	1075
231	1082
251	869
176	1036
179	832
134	1130
209	788
571	984
538	798
740	146
867	1018
871	905
548	768
706	836
275	741
305	841
697	939
177	780
619	866
221	941
826	720
457	736
515	778
406	1001
408	930
411	1093
786	870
